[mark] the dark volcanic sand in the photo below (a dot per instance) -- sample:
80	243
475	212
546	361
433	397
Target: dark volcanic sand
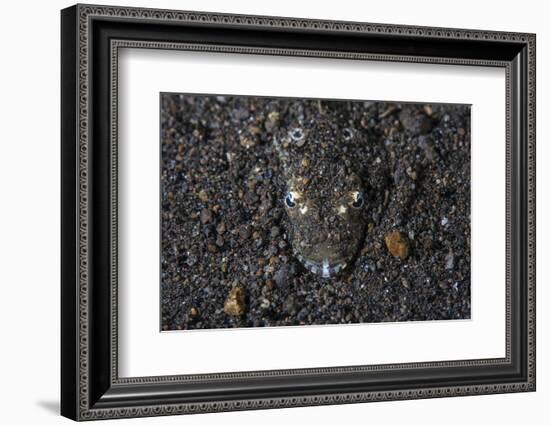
224	223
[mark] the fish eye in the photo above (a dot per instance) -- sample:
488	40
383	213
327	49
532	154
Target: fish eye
359	200
297	134
289	200
347	133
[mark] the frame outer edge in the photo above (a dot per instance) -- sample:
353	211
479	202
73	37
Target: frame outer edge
83	176
531	200
69	221
83	13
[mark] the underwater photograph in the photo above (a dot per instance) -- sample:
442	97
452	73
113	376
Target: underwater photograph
295	212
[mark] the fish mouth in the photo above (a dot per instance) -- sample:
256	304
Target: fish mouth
325	268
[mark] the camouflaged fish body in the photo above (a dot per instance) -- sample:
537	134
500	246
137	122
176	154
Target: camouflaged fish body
324	190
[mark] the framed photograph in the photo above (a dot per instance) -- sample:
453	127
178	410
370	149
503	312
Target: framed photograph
263	212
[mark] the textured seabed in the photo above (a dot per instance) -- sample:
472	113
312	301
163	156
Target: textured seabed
224	224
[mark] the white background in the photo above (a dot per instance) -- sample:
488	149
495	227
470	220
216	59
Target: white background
29	225
146	352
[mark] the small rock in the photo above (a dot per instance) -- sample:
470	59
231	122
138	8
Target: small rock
247	141
411	173
301	142
397	244
203	196
255	130
426	143
240	114
421	125
272	120
289	305
427	243
392	109
235	304
369	266
244	232
212	248
206	216
271	251
449	260
302	315
251	198
274	232
284	274
219	241
281	276
220	229
194	313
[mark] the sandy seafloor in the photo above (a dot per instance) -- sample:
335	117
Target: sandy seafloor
224	225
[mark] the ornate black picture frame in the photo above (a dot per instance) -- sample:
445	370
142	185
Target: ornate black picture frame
91	387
